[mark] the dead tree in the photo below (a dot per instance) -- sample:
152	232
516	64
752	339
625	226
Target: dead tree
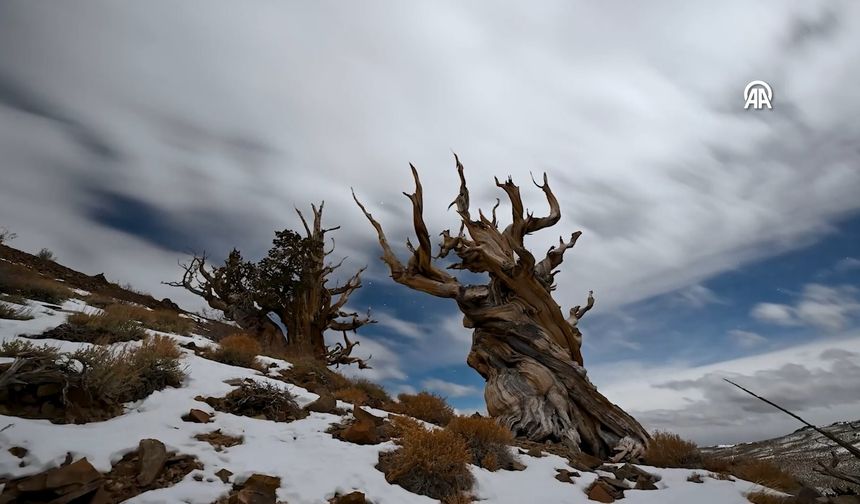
291	282
522	345
831	468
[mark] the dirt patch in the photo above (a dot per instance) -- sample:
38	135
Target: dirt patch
84	334
219	440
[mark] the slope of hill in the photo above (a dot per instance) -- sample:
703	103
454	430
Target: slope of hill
156	449
801	451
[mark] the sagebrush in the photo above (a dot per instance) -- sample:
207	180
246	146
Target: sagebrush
431	462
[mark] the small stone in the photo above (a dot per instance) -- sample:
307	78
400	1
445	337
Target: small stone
80	472
224	475
363	416
517	466
153	456
197	416
645	484
325	404
695	478
601	492
535	452
198	477
565	476
18	451
350	498
361	432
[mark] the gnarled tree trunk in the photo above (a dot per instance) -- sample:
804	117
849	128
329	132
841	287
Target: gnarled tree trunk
525	348
309	309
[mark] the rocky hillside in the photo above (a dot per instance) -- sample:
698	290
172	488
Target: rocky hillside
800	451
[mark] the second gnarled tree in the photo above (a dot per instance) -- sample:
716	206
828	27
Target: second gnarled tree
522	344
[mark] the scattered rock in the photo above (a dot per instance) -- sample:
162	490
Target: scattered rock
258	489
633	473
64	484
350	498
566	476
600	491
325	404
197	416
153	456
224	475
516	465
18	451
219	440
645	484
364	416
695	478
535	452
80	472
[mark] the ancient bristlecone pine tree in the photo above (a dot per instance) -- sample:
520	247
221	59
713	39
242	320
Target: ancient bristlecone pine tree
290	282
525	348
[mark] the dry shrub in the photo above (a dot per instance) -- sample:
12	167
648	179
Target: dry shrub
719	465
315	376
424	406
158	320
100	301
376	395
431	462
252	398
14	312
670	450
765	473
399	425
19	281
131	374
238	349
768	498
90	383
110	326
22	348
487	441
352	395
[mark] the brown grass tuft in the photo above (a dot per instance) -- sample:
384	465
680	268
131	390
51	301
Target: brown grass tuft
110	326
15	312
352	395
768	498
487	441
431	462
238	349
162	320
376	395
424	406
315	376
765	473
20	281
669	450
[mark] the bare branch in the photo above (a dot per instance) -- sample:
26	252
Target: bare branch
433	281
341	354
536	224
853	450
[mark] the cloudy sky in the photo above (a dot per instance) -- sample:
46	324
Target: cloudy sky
719	241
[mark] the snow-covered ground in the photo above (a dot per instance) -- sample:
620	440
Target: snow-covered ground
312	465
